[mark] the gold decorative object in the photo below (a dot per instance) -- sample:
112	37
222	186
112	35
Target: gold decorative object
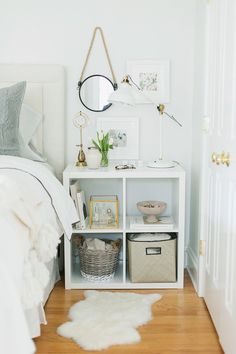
104	212
161	108
225	159
222	158
213	157
80	121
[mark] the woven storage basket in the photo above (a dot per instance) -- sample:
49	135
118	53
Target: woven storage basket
99	265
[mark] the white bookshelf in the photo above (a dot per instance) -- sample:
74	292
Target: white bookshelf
130	186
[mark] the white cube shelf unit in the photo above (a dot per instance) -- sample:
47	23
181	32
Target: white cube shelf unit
130	186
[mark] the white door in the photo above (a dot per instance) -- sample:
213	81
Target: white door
220	179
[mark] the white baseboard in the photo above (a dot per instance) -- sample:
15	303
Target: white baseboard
192	266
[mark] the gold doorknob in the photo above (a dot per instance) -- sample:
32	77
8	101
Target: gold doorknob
216	158
222	158
213	157
225	159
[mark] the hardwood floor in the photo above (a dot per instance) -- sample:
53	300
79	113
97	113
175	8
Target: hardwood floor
181	324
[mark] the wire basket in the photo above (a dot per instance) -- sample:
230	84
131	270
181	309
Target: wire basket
99	265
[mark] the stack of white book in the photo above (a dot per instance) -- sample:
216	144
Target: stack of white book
78	197
164	222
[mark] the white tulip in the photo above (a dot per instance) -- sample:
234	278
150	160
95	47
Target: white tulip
100	135
111	141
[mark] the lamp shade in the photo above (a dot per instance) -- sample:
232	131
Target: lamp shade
123	95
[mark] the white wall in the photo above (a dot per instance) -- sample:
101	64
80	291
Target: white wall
197	137
59	31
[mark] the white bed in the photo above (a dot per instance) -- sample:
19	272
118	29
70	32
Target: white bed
34	211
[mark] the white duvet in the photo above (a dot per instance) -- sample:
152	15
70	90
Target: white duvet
62	204
32	201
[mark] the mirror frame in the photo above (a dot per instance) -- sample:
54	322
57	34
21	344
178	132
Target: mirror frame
80	84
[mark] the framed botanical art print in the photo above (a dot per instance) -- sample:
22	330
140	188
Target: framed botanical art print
125	134
153	78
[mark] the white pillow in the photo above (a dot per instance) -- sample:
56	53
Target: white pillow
28	125
29	122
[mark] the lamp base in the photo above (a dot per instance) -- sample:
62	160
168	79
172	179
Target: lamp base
161	164
81	164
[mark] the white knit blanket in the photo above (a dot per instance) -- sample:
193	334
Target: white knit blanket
41	229
31	203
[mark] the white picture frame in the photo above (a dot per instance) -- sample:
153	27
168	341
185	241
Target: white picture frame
153	78
125	134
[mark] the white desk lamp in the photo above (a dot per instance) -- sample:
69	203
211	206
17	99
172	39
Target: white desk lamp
123	95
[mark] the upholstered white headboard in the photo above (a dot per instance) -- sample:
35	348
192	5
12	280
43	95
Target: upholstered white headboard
45	94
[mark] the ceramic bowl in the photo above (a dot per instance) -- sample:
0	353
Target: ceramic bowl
151	208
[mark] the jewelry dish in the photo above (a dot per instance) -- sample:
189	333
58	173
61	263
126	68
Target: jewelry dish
150	209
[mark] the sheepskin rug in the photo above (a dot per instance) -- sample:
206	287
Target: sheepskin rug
107	318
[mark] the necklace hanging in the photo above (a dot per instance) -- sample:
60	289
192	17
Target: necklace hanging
81	120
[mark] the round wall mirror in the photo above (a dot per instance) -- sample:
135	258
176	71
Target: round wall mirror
94	92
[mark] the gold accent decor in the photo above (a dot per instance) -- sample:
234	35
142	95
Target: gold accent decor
213	157
81	160
218	159
126	80
225	159
99	205
80	121
222	158
161	108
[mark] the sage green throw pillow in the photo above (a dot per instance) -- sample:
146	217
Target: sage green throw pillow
11	99
13	140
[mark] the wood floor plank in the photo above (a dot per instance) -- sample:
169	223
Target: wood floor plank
181	325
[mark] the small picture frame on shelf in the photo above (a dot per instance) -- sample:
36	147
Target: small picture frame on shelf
153	78
125	134
104	212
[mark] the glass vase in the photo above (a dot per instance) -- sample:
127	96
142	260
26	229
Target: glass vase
104	159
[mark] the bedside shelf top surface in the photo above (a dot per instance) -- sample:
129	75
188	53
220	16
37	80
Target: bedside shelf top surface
110	172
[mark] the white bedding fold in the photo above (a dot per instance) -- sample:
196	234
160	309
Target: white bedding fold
33	226
32	201
62	203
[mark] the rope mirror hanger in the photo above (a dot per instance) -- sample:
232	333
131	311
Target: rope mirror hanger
95	90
